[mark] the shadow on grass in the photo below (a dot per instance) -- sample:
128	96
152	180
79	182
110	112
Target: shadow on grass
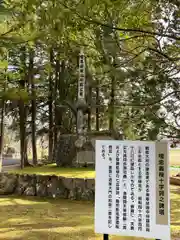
32	218
50	219
175	211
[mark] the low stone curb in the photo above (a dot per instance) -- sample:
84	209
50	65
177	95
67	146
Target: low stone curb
52	186
47	186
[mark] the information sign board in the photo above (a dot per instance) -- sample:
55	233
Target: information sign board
132	189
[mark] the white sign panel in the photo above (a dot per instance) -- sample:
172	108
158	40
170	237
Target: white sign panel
132	189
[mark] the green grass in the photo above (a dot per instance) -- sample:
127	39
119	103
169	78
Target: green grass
52	169
175	157
32	218
175	167
36	219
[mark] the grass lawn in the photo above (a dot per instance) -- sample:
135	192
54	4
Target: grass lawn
175	157
174	172
32	218
52	169
85	172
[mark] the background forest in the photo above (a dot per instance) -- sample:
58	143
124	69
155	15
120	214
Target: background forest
132	51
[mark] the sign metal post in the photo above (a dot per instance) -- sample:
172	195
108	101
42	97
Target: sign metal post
105	237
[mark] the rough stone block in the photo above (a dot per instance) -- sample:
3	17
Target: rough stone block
51	186
30	191
56	188
41	185
25	181
175	181
41	190
79	183
42	179
67	153
90	183
7	183
88	195
72	194
67	183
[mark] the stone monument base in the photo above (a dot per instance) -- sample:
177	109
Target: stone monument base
68	155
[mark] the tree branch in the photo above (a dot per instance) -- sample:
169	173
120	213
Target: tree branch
163	54
144	104
142	31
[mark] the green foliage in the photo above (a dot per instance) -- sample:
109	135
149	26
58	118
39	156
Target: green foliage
125	41
15	94
52	169
3	65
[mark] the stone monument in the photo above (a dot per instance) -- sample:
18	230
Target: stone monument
79	149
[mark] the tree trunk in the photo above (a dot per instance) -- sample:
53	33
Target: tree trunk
22	117
50	104
55	95
111	104
33	106
23	135
22	110
89	121
97	109
62	90
3	106
26	162
89	112
2	133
